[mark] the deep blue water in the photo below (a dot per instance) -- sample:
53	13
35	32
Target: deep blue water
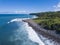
13	30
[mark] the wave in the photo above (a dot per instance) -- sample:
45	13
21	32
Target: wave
34	16
33	35
17	32
17	19
28	35
20	19
24	35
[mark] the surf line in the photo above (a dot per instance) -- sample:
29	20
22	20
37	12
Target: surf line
31	33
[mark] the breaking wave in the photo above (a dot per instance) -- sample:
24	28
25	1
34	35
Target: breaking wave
17	32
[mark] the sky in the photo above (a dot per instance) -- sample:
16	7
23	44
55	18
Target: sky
28	6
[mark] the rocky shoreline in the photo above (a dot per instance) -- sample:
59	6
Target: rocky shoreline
46	33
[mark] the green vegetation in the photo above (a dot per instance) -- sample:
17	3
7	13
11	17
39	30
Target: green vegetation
48	20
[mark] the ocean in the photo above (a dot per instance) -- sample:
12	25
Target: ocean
13	31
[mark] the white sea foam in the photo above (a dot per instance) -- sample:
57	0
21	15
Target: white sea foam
48	41
34	16
18	19
32	35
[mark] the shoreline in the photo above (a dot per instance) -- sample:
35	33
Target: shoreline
42	32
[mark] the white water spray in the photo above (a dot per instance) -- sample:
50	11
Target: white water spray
32	35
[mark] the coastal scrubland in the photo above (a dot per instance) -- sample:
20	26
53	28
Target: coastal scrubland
48	20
